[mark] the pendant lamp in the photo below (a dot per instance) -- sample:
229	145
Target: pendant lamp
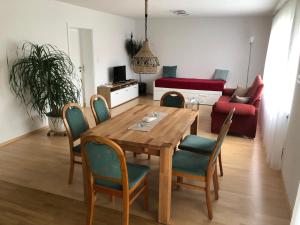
144	62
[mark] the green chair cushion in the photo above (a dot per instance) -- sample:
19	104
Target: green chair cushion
135	174
190	163
101	110
77	149
172	101
197	144
220	74
169	71
76	121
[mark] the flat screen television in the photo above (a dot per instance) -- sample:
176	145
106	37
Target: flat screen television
119	74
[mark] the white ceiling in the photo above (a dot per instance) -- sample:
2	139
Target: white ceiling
162	8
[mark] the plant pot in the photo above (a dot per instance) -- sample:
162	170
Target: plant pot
56	124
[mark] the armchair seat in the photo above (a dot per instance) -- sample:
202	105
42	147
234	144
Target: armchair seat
190	163
240	108
197	144
135	174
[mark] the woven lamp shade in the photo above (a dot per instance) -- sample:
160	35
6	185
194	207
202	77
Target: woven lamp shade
144	62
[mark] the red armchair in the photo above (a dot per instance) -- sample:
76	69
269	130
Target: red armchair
244	121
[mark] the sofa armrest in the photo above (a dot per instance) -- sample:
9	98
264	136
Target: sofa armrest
228	91
240	108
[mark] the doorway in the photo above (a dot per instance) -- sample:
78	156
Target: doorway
80	44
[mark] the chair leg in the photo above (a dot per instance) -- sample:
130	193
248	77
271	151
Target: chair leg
208	200
220	164
91	206
134	155
146	195
126	210
216	184
71	171
149	156
179	181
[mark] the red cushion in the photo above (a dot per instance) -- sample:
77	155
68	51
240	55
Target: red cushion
255	90
191	83
240	108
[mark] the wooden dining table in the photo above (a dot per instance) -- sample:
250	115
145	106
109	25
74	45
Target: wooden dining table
159	141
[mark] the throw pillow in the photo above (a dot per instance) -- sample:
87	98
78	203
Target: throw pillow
239	99
241	91
220	74
169	71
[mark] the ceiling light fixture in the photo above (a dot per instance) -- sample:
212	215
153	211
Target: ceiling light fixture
144	62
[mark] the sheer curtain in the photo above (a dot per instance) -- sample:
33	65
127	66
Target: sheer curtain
279	79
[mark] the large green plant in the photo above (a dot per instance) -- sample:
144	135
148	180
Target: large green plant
43	77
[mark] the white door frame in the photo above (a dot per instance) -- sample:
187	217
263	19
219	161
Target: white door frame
88	63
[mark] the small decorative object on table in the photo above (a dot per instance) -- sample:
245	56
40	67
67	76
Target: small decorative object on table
148	122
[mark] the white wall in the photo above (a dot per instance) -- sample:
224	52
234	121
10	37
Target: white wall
45	21
199	45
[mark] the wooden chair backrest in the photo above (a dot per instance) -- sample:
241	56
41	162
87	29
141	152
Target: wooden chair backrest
173	94
100	141
223	132
66	123
92	100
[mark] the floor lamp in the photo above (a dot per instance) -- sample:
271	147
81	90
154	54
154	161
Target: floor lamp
251	41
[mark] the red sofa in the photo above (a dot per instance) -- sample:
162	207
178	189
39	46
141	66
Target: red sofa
244	121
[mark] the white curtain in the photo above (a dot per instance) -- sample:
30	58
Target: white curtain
279	79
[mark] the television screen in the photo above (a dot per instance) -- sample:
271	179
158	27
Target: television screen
119	74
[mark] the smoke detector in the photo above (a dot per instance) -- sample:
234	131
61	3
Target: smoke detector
180	12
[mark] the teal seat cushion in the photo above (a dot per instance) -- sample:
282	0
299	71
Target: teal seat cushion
135	174
169	71
101	110
172	101
197	144
76	149
220	74
190	163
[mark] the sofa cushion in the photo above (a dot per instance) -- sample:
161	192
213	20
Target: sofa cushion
239	99
220	74
255	90
241	91
240	108
169	71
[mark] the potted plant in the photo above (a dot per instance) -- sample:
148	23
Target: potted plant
42	77
133	46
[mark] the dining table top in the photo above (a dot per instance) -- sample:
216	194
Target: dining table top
165	134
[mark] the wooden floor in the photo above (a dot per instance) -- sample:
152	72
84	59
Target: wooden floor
250	192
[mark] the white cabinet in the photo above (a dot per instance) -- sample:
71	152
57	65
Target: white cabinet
118	94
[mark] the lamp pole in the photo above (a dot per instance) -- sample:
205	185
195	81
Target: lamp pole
251	41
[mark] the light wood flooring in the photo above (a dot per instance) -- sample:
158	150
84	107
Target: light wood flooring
250	192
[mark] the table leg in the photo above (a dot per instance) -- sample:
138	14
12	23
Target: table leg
194	126
165	185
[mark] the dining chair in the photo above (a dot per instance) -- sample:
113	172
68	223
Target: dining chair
75	123
201	167
99	108
172	99
203	145
105	170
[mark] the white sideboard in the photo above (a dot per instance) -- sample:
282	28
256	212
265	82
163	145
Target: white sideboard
117	94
